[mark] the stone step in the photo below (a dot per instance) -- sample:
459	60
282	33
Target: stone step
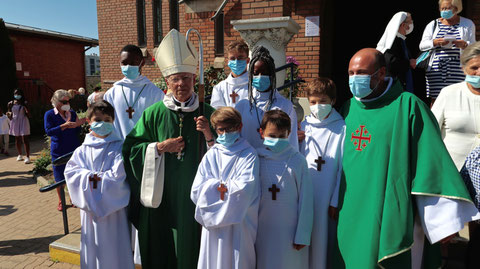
66	249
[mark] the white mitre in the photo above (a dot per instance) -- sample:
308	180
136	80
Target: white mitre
173	55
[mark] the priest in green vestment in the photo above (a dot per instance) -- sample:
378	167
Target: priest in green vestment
397	174
161	156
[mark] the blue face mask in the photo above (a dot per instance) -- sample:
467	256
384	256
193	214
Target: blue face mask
261	83
228	139
446	14
473	80
17	97
360	85
131	71
237	66
276	144
101	128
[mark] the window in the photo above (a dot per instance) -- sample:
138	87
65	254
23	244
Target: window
174	24
219	36
141	27
92	66
157	22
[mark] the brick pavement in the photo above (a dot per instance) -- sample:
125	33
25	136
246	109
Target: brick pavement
29	220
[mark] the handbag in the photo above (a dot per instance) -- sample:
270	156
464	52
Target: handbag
423	58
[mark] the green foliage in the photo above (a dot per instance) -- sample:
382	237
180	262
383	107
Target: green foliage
42	162
85	128
211	78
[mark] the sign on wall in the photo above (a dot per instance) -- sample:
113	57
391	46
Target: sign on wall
312	26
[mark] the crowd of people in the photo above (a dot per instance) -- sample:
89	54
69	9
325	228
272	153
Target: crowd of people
164	180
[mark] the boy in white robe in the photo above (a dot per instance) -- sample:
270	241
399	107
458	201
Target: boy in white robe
263	97
286	206
134	93
235	88
226	192
95	178
323	148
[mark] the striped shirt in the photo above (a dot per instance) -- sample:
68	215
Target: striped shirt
446	68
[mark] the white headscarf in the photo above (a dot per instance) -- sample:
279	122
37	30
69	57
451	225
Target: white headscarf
391	31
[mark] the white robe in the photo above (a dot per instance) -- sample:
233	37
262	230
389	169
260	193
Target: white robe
289	218
222	91
323	138
252	117
122	123
229	225
149	96
105	238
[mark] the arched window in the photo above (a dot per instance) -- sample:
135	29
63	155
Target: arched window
157	22
174	22
141	25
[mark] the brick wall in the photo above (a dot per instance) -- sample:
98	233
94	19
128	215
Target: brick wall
117	27
59	63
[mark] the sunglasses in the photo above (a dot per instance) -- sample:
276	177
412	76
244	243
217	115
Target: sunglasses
64	101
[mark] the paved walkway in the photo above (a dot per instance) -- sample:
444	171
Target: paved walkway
29	220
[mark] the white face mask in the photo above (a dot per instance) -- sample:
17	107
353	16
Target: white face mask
65	107
320	111
409	30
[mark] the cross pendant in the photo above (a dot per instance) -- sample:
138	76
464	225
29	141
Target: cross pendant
130	111
319	162
222	189
234	96
274	191
95	180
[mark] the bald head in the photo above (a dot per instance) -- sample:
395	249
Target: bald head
366	62
370	62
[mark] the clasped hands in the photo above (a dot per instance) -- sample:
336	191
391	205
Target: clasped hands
177	144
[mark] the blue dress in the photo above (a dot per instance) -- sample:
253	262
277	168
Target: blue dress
62	142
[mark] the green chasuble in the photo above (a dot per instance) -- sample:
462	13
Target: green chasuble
169	236
392	151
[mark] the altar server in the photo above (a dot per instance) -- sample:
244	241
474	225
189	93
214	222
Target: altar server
226	192
95	178
286	207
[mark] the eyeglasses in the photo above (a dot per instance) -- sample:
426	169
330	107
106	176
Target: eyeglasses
64	102
228	130
184	78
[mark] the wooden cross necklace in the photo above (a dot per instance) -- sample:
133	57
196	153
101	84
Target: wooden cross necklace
319	161
273	189
267	108
222	187
95	178
130	109
234	96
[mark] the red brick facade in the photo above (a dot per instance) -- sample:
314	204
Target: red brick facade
316	55
60	64
117	27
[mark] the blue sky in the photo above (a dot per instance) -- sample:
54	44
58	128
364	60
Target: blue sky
77	17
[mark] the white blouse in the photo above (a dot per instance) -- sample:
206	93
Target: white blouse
457	110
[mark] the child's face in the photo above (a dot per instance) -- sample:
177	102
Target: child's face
260	68
99	116
320	99
272	131
238	55
222	128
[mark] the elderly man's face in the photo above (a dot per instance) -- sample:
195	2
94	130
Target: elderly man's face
181	85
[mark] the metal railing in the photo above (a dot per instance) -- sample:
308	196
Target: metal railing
291	81
60	184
